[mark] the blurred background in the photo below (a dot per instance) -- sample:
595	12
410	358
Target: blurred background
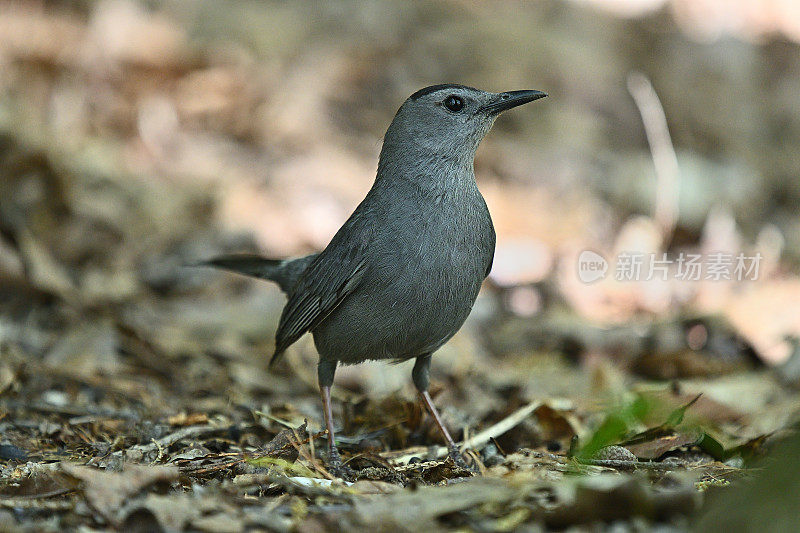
137	137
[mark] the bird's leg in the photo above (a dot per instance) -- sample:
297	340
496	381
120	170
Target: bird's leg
325	372
421	377
333	453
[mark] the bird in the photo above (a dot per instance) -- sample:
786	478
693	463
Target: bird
401	275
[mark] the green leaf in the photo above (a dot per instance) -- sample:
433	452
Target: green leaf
676	416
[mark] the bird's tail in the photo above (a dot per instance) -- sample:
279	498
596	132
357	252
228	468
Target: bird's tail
249	265
284	272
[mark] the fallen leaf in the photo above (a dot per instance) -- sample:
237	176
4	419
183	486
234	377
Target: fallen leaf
106	492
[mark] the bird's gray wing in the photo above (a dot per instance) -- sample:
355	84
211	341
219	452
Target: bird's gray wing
324	284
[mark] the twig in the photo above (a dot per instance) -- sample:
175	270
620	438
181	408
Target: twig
480	439
35	503
312	487
242	458
665	160
49	494
214	468
629	466
275	419
160	452
298	445
172	438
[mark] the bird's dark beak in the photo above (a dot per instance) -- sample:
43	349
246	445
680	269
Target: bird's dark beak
507	100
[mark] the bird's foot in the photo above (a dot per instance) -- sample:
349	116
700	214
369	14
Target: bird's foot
459	460
338	468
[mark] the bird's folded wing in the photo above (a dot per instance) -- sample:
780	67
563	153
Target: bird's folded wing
323	286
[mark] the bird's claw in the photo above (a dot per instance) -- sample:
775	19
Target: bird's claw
338	468
459	459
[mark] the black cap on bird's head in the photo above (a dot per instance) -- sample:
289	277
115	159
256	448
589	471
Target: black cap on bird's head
451	116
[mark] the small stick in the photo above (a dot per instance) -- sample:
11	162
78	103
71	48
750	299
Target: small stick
479	439
634	465
665	160
172	438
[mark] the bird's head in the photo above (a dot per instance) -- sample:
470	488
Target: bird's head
450	119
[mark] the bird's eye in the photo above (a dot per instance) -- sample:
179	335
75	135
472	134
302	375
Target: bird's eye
454	103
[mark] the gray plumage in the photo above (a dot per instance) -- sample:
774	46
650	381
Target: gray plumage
401	275
284	272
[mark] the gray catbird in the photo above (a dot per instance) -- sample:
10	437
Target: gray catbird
401	275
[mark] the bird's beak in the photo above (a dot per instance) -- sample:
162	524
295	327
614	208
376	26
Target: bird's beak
507	100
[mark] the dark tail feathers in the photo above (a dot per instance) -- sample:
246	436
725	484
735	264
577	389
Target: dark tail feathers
283	272
249	265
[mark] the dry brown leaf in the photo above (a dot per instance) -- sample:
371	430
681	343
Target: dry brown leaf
107	492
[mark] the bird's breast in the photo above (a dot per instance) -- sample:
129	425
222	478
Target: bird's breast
434	264
426	266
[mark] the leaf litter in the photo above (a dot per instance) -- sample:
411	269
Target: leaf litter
133	390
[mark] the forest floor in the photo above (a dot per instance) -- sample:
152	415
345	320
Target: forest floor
134	390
